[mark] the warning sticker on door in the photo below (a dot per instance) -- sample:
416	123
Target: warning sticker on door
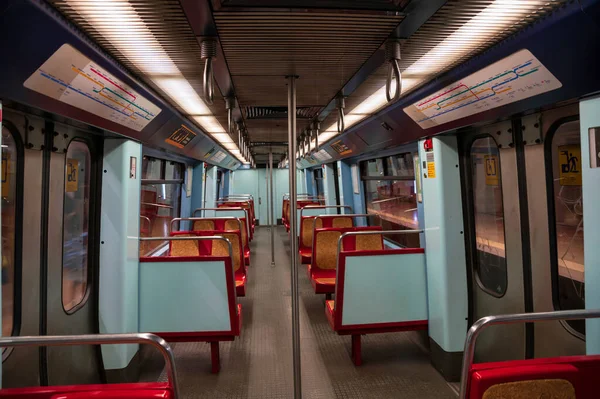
491	170
430	165
569	165
71	175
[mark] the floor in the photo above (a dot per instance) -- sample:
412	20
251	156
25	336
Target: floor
259	363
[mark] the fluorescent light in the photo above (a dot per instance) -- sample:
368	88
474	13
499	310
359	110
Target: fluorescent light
482	28
119	23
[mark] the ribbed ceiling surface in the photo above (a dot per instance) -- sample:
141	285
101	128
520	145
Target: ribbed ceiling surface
445	25
168	25
324	49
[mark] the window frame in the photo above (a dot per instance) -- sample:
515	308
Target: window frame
18	249
472	236
552	231
385	176
91	250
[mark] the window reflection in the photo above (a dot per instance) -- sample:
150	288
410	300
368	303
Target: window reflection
393	201
160	202
9	187
76	224
490	259
568	217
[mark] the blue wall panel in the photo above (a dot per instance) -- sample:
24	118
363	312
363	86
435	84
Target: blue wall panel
445	252
590	117
345	181
119	256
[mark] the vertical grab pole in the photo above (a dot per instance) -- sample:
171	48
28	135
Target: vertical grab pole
294	236
273	223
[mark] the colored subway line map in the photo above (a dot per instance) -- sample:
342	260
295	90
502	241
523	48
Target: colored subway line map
70	77
511	79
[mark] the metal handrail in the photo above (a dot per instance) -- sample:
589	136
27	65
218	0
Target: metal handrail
323	207
484	322
199	238
98	339
157	205
192	218
246	211
362	215
149	221
366	233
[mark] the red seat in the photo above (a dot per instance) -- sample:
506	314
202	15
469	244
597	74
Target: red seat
159	390
324	259
580	372
307	223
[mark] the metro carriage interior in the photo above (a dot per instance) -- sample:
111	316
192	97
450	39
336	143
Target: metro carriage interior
300	199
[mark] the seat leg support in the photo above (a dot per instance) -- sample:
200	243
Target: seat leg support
356	353
328	297
214	357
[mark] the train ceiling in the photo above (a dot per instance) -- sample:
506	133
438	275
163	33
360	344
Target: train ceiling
335	47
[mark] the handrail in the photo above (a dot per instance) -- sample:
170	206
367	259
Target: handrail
98	339
484	322
157	205
192	218
198	238
365	233
323	207
148	219
246	211
362	215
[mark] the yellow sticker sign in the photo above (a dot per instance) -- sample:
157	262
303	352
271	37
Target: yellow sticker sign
569	165
71	175
431	170
491	170
6	165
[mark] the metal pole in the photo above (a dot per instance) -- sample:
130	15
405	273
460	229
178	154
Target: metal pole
267	197
294	236
273	223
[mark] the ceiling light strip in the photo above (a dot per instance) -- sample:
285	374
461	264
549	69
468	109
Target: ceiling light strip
119	23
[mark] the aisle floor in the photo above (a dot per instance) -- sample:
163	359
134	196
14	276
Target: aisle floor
259	363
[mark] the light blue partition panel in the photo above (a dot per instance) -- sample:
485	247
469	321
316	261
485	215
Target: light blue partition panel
183	296
226	178
358	204
210	187
329	187
345	181
197	183
186	203
119	255
281	181
300	181
589	113
310	182
384	289
445	252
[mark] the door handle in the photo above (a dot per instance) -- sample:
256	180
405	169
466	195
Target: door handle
259	201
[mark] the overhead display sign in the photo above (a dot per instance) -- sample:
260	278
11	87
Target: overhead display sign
516	77
341	148
219	156
181	137
70	77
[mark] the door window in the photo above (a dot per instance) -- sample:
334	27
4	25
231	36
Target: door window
76	220
567	219
490	256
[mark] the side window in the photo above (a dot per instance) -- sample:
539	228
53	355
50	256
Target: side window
160	198
490	258
9	212
390	194
76	225
567	219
